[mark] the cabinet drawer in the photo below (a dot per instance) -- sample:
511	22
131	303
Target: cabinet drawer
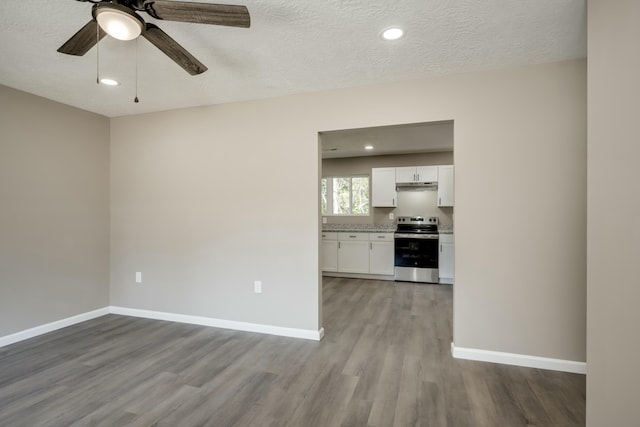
331	235
381	237
353	236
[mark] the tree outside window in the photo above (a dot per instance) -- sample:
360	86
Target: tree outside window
345	195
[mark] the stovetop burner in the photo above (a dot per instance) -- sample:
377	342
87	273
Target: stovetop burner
417	225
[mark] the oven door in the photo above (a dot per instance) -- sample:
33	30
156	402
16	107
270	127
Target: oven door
416	250
416	257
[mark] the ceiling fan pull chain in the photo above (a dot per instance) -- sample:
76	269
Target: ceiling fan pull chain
97	54
136	98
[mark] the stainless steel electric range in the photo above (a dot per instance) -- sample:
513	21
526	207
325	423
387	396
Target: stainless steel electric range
416	249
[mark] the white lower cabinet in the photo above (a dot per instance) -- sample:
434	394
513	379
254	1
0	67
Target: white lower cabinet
353	252
381	253
446	263
361	253
329	256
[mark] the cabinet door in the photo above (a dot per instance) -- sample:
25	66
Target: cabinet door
445	186
383	187
381	258
353	256
446	262
406	174
427	174
329	255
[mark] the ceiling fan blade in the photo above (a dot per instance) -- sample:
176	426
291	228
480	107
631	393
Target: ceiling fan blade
199	13
173	50
83	40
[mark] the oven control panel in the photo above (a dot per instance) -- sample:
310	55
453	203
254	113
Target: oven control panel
417	220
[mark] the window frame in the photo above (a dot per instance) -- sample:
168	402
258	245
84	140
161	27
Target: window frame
329	195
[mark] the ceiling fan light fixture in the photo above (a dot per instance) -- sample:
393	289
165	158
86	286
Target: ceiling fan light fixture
119	24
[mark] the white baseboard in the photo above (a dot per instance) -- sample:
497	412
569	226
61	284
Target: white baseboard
220	323
182	318
53	326
386	277
519	360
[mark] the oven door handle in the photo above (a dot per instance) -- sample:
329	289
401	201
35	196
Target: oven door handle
416	236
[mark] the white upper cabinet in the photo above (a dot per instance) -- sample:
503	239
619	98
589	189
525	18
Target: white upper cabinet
417	174
406	174
383	187
445	186
427	173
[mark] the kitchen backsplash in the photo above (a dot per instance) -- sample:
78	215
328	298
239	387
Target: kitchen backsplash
415	202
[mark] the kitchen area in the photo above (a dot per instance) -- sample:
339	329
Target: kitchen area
387	200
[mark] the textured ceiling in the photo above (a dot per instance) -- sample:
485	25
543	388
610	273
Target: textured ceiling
293	46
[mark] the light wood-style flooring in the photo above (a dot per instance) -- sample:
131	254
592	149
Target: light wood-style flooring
385	361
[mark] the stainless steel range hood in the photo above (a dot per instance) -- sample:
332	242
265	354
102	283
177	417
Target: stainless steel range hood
416	185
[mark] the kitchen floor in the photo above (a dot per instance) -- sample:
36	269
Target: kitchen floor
385	361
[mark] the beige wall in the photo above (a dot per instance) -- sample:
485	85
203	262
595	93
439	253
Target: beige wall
520	156
614	214
409	202
54	211
203	207
207	200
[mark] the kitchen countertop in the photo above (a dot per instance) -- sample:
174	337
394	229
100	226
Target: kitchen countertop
445	229
362	228
374	228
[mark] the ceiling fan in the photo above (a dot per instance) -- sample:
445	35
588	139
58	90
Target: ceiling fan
120	19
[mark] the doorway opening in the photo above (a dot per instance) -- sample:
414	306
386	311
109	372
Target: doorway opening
348	159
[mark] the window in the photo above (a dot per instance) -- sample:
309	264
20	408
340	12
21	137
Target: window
345	195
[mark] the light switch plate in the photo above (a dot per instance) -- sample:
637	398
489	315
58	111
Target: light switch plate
391	215
138	277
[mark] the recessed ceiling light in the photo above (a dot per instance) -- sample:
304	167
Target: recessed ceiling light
393	33
368	147
109	82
